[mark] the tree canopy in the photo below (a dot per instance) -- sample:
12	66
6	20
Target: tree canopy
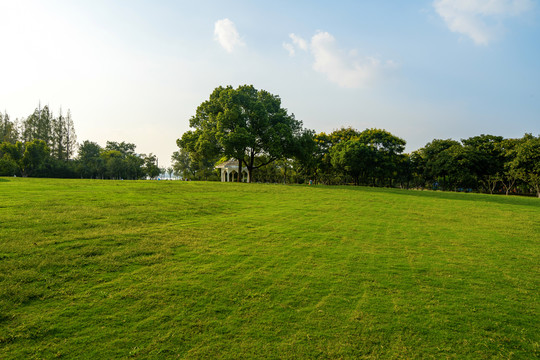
245	124
44	145
251	126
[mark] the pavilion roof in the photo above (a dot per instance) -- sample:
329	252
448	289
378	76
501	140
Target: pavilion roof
228	164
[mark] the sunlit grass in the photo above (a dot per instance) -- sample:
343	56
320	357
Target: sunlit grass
104	269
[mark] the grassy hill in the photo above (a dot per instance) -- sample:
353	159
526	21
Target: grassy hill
105	269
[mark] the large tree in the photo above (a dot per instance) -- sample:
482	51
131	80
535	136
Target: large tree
388	149
315	160
150	166
511	173
372	154
63	138
38	126
244	124
11	158
190	166
484	159
57	132
8	129
353	157
90	163
527	161
35	158
442	161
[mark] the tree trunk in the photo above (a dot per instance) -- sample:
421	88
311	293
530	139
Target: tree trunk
239	170
250	171
250	167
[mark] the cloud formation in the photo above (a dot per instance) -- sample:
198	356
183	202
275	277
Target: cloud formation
474	18
226	35
290	48
298	41
346	70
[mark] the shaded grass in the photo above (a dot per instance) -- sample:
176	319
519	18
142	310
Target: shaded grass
104	269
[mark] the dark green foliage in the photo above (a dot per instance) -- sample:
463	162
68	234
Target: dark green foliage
193	167
35	158
225	125
125	149
47	146
484	159
90	164
44	148
8	166
116	161
527	161
242	124
481	163
372	157
355	158
8	130
64	139
38	126
150	166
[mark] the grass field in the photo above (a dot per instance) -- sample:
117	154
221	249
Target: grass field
105	269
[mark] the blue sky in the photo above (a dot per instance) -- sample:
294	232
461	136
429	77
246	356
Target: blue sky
137	70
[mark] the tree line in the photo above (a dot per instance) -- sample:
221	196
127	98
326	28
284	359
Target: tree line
45	145
250	126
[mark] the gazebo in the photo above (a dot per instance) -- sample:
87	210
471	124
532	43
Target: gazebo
229	171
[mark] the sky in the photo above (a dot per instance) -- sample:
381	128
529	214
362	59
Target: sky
136	70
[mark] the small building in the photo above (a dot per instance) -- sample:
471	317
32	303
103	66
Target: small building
229	171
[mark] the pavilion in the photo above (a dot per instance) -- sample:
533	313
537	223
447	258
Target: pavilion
229	171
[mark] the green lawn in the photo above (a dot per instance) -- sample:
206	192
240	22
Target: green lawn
116	269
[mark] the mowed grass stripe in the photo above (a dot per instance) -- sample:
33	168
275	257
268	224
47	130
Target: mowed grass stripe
203	270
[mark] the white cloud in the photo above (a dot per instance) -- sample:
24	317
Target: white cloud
298	41
348	70
474	17
290	48
226	34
